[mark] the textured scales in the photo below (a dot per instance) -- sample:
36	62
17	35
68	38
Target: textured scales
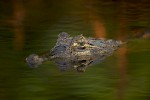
67	46
77	52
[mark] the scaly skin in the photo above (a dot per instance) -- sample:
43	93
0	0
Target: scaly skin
76	51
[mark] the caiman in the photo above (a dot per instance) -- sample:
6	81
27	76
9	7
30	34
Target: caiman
77	52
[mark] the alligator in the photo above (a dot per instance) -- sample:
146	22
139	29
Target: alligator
77	52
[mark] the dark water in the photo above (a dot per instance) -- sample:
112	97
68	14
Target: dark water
32	27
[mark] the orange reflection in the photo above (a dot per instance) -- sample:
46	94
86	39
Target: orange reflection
96	22
121	64
98	28
122	52
17	23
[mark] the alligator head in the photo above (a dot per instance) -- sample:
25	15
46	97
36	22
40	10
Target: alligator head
77	52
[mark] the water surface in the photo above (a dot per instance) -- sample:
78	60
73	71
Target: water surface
32	27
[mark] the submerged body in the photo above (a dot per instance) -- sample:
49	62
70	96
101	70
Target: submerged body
76	51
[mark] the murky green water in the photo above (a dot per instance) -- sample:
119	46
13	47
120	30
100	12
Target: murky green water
32	27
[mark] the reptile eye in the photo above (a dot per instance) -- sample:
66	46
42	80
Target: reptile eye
91	44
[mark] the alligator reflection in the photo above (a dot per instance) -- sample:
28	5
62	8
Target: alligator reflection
76	52
78	65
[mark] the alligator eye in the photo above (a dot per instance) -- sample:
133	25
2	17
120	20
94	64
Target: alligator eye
82	47
90	44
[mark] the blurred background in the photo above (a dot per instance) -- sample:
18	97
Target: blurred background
32	26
